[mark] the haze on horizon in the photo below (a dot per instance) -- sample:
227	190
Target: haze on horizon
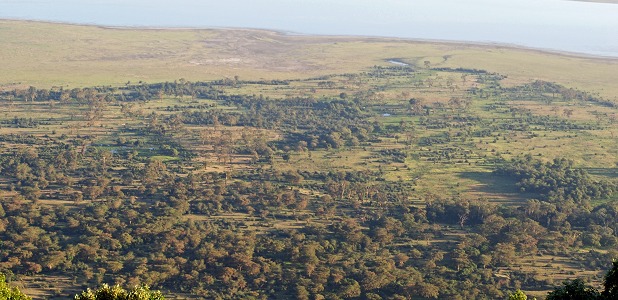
553	24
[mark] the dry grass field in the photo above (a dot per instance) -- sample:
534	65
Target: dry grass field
48	54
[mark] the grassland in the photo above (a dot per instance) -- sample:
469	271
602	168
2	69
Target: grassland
46	54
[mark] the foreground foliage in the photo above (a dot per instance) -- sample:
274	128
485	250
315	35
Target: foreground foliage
611	282
106	292
575	289
10	293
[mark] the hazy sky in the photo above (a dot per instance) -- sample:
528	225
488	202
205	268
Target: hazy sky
558	24
271	12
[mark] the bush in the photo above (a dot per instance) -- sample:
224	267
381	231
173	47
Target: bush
116	292
10	293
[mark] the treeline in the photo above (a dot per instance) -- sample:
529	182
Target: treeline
550	91
557	181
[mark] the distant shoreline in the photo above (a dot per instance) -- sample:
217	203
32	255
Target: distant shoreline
384	38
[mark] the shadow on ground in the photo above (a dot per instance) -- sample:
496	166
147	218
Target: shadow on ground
499	189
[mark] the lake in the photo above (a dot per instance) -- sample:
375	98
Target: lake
571	26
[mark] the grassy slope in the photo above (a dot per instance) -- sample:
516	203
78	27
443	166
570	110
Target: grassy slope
44	54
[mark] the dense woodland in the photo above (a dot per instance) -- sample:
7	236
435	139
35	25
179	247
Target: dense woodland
254	189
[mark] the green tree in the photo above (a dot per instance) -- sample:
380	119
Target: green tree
518	295
10	293
574	290
350	289
611	282
116	292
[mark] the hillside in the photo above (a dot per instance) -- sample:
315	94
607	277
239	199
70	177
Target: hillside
47	54
250	164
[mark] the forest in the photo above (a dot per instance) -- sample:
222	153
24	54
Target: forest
397	182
